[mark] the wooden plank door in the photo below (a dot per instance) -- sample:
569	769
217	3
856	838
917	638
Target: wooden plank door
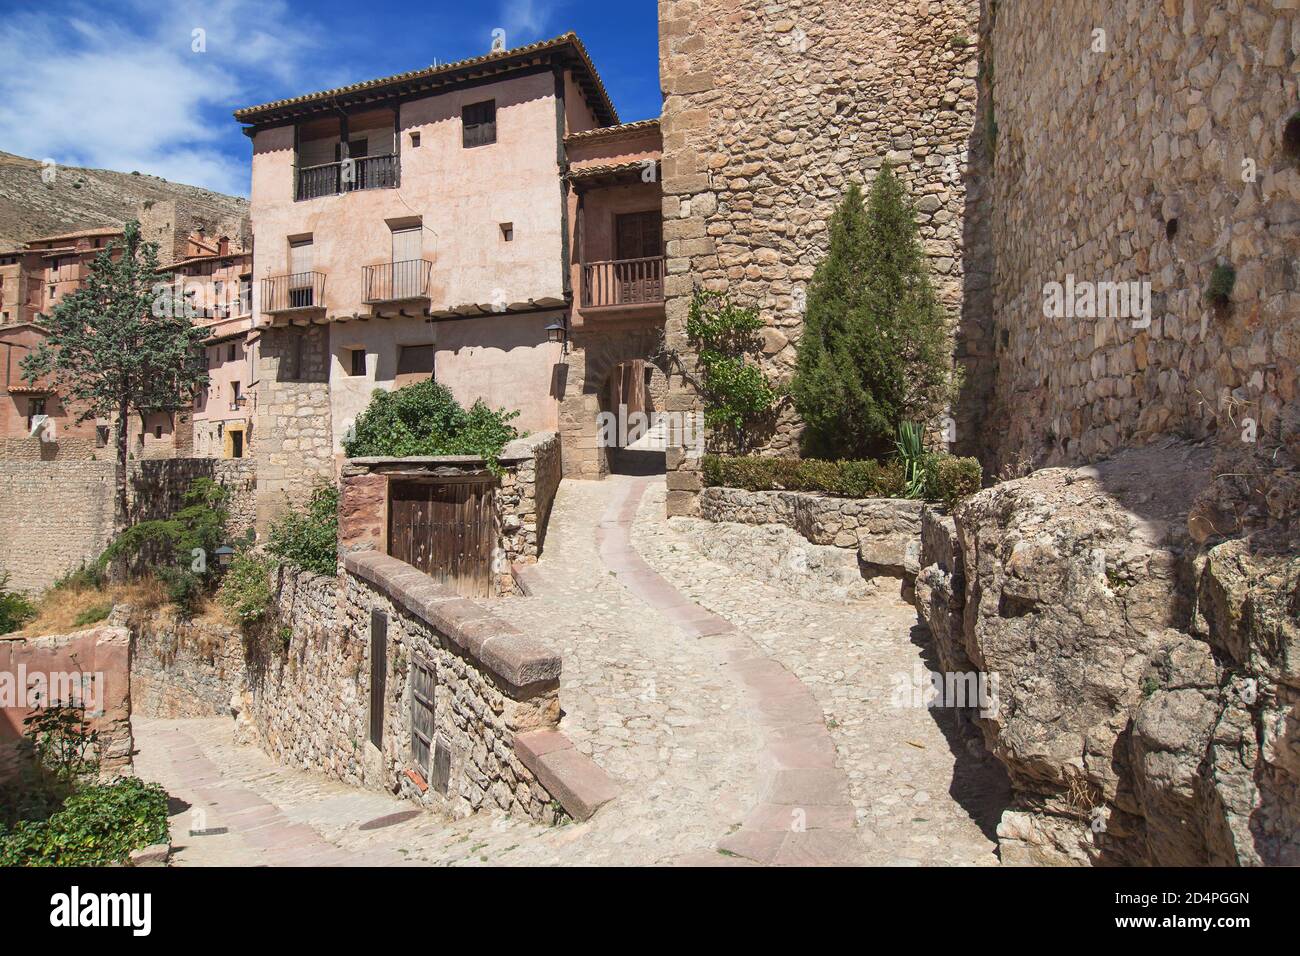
446	530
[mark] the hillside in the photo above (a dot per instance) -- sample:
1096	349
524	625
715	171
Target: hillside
91	197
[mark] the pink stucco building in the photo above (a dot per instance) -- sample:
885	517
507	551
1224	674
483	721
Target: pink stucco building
488	223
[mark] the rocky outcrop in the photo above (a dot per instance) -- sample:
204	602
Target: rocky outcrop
1146	684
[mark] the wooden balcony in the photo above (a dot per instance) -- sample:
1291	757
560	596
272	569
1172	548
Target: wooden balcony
397	281
623	282
298	292
330	179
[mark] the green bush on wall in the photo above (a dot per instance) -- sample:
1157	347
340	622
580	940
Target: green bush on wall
947	477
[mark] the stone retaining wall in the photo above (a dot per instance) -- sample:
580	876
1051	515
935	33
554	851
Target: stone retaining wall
885	532
183	668
54	515
491	683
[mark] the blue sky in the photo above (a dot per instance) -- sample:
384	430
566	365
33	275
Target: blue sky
116	84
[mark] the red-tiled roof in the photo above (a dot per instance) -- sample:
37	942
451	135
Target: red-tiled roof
443	75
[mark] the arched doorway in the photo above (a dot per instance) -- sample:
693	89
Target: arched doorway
633	396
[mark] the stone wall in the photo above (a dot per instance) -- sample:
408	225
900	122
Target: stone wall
309	704
770	112
885	532
54	515
1143	142
27	448
183	668
294	449
525	493
157	488
92	666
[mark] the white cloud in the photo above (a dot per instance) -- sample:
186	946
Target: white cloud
130	93
525	21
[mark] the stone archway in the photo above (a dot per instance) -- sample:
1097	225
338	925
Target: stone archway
596	360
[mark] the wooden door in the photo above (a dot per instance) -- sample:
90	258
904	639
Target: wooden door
638	236
446	530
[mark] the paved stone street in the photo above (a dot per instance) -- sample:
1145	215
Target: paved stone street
741	725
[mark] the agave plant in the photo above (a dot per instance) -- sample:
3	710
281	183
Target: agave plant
911	449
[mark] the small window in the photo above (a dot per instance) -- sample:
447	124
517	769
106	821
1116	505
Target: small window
35	406
508	231
234	390
415	140
101	436
230	352
358	361
157	431
479	124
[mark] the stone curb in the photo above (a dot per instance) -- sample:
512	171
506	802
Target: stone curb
572	778
520	661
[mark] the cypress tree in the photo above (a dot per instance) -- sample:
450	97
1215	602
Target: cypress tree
874	349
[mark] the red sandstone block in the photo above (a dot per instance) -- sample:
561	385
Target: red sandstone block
535	744
572	778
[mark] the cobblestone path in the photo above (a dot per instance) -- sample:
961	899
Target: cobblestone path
742	726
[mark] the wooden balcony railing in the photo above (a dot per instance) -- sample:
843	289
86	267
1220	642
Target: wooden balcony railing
397	281
623	282
364	172
301	290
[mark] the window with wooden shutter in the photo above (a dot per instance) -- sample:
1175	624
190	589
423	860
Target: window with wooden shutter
423	685
479	123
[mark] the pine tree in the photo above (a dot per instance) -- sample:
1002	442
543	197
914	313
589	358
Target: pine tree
118	345
874	350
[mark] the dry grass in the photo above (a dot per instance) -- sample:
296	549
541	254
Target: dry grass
59	610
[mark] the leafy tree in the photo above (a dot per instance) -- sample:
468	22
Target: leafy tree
874	351
116	347
426	419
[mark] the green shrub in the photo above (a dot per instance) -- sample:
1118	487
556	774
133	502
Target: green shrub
15	609
425	419
943	478
246	587
171	542
88	577
98	825
93	614
308	538
954	478
1222	281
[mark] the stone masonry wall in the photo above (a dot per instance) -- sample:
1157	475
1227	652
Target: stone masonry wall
1143	142
294	448
886	532
771	110
308	704
53	516
525	493
183	668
